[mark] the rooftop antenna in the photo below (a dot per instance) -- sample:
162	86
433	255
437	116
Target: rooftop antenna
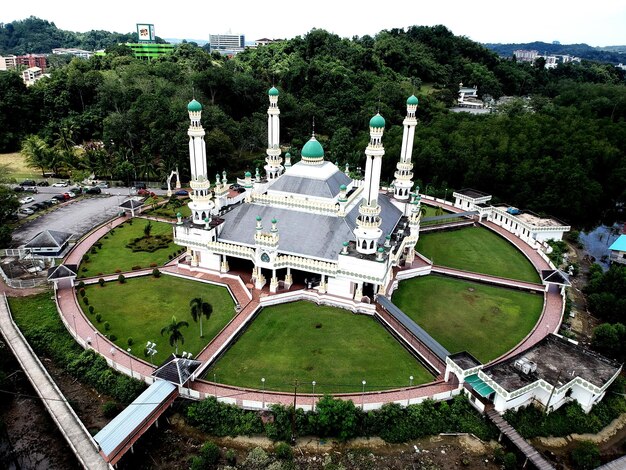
313	126
193	92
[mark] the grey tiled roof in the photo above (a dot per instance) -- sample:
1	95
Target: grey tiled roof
49	238
62	271
328	188
314	235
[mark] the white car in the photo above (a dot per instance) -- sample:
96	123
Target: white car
70	194
102	185
61	184
27	211
53	201
26	200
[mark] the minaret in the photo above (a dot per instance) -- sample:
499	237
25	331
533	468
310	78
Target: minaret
201	203
273	168
368	222
403	182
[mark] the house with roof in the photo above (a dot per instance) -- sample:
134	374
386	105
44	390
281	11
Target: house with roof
49	244
308	223
63	275
618	250
550	373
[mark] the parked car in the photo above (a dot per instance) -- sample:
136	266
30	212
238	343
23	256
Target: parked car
94	190
34	208
139	185
53	201
43	183
28	183
181	192
26	211
45	203
70	194
61	184
164	186
61	197
31	189
18	189
26	200
38	206
76	190
102	185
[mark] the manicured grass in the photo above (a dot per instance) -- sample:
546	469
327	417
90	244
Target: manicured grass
170	210
479	250
17	168
487	321
140	307
284	343
114	255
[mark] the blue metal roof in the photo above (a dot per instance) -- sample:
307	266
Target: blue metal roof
619	244
124	425
414	328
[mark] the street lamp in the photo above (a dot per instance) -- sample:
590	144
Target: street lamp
410	381
313	383
215	385
263	402
151	350
130	360
363	395
95	333
445	197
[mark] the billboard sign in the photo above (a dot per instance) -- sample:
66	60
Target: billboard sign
145	32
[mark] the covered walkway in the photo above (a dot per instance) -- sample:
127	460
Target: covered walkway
518	441
488	279
62	413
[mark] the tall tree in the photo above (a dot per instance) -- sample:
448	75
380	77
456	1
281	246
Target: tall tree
37	152
199	309
173	330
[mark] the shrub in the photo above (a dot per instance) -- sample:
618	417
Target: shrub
586	456
101	282
98	245
231	457
85	257
113	338
107	326
98	317
210	452
110	409
86	300
84	269
257	458
156	272
121	279
153	265
82	291
135	268
91	309
118	270
130	342
93	250
170	256
283	451
81	285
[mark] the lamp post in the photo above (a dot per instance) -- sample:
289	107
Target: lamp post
313	383
263	393
363	395
130	360
215	385
95	333
151	350
410	381
445	197
75	331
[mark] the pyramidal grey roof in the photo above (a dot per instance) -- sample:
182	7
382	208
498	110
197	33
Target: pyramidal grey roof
49	238
326	188
131	204
313	235
62	271
177	370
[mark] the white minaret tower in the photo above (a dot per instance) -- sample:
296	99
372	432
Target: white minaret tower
404	174
273	169
367	231
201	203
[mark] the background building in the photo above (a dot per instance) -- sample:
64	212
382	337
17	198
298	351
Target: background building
149	51
227	43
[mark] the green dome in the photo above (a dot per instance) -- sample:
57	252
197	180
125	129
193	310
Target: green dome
248	174
412	100
377	121
312	149
178	214
273	91
194	106
258	218
345	243
274	221
287	155
343	187
381	250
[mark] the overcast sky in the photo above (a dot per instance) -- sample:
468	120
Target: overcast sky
598	23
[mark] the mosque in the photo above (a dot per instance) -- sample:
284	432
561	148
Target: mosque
308	223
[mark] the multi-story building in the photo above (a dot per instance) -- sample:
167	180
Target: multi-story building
11	62
8	62
31	75
227	43
149	51
80	53
523	55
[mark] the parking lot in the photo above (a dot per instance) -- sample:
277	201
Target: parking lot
77	216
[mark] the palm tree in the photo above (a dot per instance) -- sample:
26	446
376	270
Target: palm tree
36	151
200	309
173	329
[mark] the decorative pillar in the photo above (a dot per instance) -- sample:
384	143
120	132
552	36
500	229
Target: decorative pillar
224	267
323	287
274	282
359	292
288	279
194	258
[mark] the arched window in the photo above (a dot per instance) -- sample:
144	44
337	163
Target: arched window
364	244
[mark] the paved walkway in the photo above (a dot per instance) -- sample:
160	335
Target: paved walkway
84	244
70	426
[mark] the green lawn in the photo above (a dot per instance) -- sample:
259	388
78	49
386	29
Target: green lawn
487	321
284	343
170	210
114	256
479	250
140	307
